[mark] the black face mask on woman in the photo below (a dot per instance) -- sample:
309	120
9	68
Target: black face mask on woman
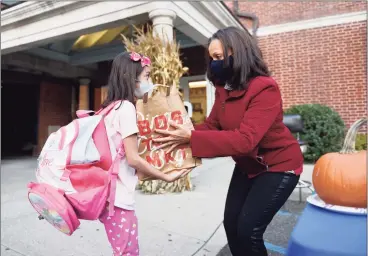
220	73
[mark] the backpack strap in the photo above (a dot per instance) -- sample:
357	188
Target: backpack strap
106	110
113	172
84	113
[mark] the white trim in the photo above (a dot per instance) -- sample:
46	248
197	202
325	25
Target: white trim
196	26
221	13
31	9
210	89
210	96
68	21
313	23
184	84
202	19
187	79
32	23
190	108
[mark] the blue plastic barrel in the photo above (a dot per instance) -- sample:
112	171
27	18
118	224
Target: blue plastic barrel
324	232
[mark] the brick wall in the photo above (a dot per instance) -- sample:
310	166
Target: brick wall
54	108
278	12
325	65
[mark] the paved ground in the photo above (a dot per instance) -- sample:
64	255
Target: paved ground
277	234
172	224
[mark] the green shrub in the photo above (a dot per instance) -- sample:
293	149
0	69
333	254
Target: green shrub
361	142
323	129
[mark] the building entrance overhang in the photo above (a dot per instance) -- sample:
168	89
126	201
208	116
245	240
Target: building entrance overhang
81	33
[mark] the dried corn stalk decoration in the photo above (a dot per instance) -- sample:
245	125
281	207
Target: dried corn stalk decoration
166	69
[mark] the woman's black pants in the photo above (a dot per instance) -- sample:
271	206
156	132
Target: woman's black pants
251	205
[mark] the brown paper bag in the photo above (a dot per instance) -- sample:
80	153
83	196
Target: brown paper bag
164	105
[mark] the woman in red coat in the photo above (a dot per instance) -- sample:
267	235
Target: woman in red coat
246	122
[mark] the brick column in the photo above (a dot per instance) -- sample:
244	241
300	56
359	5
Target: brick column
84	93
74	102
100	96
103	93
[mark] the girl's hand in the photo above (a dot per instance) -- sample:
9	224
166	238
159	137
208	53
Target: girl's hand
181	135
173	176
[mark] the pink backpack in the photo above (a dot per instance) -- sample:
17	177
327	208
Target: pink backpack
76	172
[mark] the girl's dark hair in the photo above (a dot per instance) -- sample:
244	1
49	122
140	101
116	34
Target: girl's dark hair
247	57
123	79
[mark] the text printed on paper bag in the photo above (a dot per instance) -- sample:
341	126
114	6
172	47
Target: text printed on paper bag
158	158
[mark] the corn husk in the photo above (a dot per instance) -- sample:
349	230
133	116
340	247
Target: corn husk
166	69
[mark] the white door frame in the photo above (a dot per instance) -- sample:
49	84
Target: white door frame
184	84
210	90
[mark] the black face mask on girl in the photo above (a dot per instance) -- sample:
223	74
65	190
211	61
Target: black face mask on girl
220	73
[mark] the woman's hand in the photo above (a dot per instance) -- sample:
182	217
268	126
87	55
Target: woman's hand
181	135
173	176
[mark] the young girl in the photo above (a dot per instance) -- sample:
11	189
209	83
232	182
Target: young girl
129	79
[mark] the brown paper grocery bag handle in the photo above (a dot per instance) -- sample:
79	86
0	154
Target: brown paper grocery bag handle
167	88
174	86
145	98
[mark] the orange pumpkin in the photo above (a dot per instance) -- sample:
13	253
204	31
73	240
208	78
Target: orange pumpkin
341	178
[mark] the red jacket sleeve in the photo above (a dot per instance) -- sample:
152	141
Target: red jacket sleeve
211	122
258	118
